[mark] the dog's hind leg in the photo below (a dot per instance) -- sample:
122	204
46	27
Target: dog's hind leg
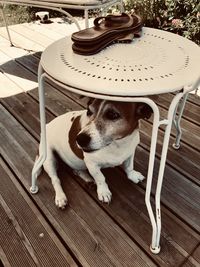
132	175
51	169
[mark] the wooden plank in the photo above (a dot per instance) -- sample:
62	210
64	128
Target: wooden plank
3	259
38	27
21	41
128	209
11	51
178	193
19	75
190	131
28	81
31	34
190	263
8	88
30	62
195	99
10	243
105	232
191	111
4	41
194	259
26	110
3	57
196	254
95	246
185	160
56	101
61	27
25	232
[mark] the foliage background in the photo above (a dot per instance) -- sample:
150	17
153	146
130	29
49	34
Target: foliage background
178	16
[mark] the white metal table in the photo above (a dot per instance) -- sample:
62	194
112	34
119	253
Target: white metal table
158	62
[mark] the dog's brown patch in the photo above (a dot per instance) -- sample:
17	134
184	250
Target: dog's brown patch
72	118
75	129
131	121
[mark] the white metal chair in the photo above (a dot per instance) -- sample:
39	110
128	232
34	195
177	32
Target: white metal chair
62	5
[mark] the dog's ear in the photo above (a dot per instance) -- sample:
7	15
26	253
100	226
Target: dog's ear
143	111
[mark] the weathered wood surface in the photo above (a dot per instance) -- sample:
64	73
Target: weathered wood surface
194	259
87	233
31	240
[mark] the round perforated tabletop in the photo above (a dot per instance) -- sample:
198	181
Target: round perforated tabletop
157	62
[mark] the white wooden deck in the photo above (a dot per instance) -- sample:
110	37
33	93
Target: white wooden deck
28	38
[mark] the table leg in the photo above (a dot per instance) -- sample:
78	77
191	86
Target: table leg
86	18
155	246
177	119
43	151
6	24
156	124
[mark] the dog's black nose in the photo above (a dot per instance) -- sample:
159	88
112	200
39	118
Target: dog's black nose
83	139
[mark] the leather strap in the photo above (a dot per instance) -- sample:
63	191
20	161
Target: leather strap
123	20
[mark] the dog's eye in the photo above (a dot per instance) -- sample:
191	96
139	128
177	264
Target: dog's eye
89	112
112	115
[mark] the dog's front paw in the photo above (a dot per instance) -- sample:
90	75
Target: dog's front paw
104	193
61	200
135	176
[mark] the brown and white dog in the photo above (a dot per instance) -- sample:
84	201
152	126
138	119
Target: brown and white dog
104	135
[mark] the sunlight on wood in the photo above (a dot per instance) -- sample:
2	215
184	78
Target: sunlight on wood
28	38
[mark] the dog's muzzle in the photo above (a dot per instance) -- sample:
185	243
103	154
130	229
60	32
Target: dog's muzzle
83	140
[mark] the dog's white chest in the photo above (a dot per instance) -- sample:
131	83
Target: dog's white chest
116	153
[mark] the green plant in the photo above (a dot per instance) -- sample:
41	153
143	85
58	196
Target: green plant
178	16
183	17
15	14
150	10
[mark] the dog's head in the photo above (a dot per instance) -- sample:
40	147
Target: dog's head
109	121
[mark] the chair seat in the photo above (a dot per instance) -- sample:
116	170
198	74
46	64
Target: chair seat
62	5
59	2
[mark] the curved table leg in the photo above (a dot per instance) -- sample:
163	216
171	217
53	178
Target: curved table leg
6	24
156	124
177	119
156	241
86	18
43	151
